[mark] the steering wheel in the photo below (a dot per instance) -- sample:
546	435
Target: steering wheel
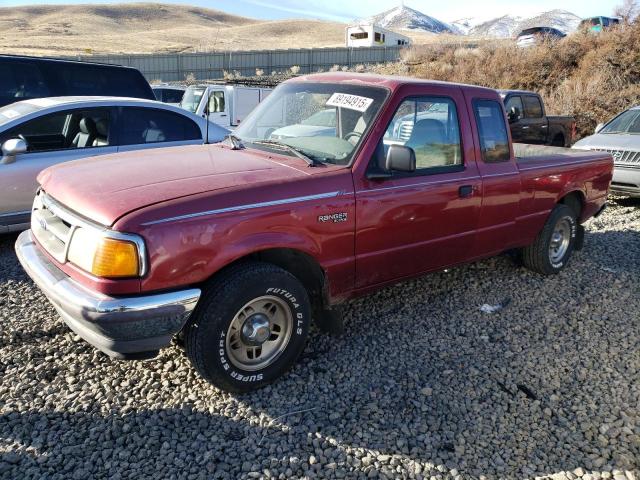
353	137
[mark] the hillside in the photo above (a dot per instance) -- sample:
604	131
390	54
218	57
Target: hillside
592	77
148	27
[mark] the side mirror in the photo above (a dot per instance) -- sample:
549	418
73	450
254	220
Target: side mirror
514	114
11	148
401	159
599	127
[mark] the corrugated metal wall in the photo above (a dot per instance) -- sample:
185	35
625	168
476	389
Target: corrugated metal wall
205	66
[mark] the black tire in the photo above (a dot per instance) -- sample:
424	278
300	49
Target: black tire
206	332
558	141
537	256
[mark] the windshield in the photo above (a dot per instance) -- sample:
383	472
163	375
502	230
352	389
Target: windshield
324	118
191	98
626	122
324	121
15	110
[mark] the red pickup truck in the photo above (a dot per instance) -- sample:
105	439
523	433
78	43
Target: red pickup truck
234	248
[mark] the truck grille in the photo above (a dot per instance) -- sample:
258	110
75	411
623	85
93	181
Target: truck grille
623	157
51	226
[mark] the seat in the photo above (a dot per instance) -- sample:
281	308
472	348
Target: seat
426	132
102	131
429	141
153	134
86	135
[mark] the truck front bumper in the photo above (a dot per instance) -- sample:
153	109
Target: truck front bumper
626	181
121	327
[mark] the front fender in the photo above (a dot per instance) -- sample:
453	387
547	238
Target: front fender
191	251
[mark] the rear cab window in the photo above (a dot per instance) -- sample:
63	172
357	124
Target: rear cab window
492	131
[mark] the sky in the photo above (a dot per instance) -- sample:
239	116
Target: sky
347	10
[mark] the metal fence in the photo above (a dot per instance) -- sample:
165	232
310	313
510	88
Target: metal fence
205	66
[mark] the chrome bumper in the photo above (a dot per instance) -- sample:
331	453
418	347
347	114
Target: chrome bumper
122	327
626	181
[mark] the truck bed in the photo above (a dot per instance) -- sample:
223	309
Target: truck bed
534	155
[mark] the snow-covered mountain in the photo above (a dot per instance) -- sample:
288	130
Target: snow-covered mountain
509	25
465	25
564	21
405	18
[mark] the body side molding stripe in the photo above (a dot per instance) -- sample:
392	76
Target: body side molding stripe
249	206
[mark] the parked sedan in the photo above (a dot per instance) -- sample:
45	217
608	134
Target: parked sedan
621	138
35	134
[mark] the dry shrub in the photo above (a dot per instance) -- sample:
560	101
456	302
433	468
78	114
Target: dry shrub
592	77
189	78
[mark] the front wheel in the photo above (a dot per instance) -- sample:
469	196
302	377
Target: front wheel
249	328
552	248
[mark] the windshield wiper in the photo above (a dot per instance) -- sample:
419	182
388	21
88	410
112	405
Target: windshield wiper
233	141
312	162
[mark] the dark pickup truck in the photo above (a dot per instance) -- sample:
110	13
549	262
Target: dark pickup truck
529	122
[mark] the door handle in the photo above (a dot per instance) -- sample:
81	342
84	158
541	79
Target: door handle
525	128
466	191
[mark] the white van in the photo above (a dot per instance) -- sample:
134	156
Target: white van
228	104
371	35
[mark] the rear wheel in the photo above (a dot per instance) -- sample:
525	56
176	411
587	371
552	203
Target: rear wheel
249	328
558	141
552	248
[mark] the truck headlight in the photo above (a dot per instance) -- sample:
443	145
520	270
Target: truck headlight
105	256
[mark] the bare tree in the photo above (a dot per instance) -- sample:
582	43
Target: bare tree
628	11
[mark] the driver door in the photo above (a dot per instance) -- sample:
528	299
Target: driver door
411	223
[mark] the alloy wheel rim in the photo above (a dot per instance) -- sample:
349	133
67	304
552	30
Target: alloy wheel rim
259	333
560	240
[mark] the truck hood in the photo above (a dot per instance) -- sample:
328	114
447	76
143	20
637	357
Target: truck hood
610	141
105	188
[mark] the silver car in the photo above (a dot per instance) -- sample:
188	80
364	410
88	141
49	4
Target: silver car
621	138
35	134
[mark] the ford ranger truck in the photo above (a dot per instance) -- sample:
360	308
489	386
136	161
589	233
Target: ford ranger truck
235	248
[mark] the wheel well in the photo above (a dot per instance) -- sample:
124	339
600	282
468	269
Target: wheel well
574	200
558	139
301	265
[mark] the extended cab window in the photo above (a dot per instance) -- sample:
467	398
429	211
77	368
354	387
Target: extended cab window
494	140
148	125
430	127
532	107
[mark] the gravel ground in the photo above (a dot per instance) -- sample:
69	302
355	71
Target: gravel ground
422	385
